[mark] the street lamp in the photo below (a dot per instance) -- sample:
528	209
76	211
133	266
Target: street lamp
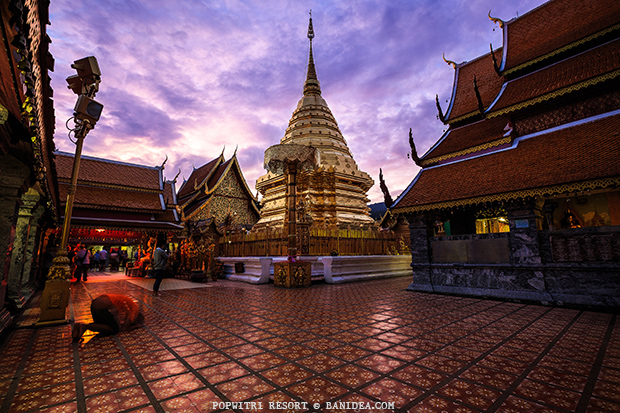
86	113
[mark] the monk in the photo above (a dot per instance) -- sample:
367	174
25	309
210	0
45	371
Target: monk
111	313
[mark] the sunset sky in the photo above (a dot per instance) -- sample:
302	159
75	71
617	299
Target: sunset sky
188	79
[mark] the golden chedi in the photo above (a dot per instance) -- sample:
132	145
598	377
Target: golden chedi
334	194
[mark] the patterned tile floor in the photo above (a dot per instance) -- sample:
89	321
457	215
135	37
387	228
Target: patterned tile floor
370	344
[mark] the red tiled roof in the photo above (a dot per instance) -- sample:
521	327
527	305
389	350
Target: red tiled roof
109	198
583	152
168	193
556	24
197	176
469	136
107	172
464	99
584	66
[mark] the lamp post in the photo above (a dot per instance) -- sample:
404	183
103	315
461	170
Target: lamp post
86	113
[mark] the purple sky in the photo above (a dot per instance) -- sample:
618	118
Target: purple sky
188	78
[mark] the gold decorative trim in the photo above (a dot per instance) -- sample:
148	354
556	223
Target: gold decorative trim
506	196
557	93
473	149
562	49
463	117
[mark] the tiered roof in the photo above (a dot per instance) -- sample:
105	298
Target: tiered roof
118	194
200	189
556	27
464	103
584	70
544	67
538	164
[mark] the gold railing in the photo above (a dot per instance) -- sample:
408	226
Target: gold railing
321	242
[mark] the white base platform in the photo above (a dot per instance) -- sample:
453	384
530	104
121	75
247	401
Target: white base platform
334	270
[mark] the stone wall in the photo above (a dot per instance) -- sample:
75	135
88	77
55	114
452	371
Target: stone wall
563	267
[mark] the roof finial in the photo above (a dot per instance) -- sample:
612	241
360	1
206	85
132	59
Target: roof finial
495	65
414	152
441	116
310	29
496	20
312	85
450	62
387	199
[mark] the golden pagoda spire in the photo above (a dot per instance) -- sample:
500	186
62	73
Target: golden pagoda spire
311	86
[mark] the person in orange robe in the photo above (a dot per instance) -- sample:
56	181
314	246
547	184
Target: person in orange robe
111	313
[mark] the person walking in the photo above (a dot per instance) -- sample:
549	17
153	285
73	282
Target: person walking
160	259
111	313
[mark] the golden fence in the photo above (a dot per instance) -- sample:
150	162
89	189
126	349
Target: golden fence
321	242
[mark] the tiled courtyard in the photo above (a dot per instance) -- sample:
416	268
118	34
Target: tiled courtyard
368	342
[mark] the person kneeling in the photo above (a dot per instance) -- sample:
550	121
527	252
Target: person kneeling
111	313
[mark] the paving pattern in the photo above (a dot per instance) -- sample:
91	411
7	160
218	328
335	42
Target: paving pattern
370	344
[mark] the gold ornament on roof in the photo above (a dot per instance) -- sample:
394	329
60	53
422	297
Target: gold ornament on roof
450	62
497	20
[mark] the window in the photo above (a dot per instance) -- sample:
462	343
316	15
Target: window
492	225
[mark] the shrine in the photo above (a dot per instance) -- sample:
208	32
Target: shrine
334	194
218	191
214	201
534	139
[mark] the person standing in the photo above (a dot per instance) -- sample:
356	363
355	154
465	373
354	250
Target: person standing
103	256
95	261
85	264
160	259
79	258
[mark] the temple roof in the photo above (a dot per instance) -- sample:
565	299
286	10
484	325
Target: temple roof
169	195
194	197
464	101
578	156
198	177
563	77
108	172
553	26
112	198
469	138
118	194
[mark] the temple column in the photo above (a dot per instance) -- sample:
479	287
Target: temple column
291	200
420	253
17	288
12	181
525	221
8	205
30	254
290	159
